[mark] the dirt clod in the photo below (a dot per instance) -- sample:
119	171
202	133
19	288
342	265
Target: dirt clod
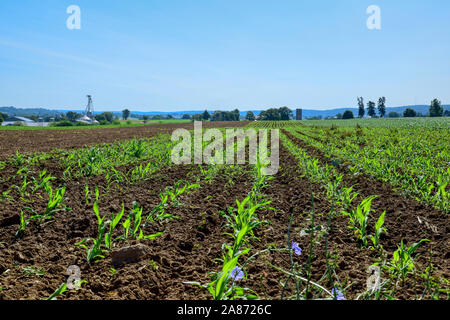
127	255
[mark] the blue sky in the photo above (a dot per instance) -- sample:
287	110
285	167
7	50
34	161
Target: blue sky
170	55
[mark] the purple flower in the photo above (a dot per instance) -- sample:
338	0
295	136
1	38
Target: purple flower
237	274
296	248
337	295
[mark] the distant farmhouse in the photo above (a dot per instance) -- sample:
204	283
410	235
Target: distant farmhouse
14	120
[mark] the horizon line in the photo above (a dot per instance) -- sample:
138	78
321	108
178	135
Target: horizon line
202	110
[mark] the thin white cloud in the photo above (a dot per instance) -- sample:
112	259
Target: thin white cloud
55	54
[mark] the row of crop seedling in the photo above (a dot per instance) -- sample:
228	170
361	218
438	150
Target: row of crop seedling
242	221
20	159
27	183
406	123
54	205
39	185
401	267
415	174
276	124
302	274
104	159
420	148
329	177
415	143
95	160
170	197
133	224
132	229
358	217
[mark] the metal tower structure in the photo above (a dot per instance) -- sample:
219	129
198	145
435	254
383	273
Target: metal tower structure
89	109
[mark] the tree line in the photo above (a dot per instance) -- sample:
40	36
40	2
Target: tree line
272	114
435	110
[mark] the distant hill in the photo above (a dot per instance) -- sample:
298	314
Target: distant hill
424	109
21	112
307	113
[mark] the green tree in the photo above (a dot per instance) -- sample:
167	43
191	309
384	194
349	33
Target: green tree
361	110
436	109
72	116
106	117
145	118
206	116
186	117
217	116
348	114
109	116
393	115
235	115
339	116
409	113
382	107
197	117
371	109
285	113
100	117
271	114
228	116
1	119
126	114
250	116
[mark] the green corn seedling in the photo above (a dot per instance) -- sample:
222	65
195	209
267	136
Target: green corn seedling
347	196
43	182
22	189
6	196
378	230
58	292
158	213
112	225
87	191
18	160
132	225
95	252
178	190
219	286
402	262
54	204
22	225
359	218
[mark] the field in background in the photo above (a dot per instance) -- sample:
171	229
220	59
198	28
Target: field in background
46	140
443	123
123	123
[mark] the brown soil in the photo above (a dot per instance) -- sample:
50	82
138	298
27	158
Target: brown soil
191	244
402	215
46	140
